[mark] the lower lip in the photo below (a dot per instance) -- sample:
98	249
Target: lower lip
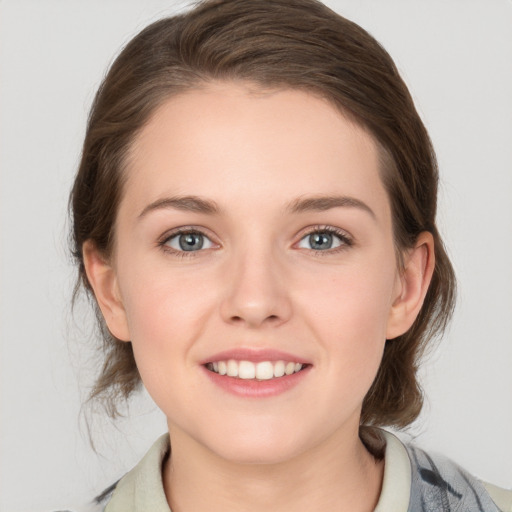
257	388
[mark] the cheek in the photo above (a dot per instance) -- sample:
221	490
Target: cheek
162	303
166	313
351	299
348	312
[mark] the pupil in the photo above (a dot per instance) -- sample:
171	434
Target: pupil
320	240
191	241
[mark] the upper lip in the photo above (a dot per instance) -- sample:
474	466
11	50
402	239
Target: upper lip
254	355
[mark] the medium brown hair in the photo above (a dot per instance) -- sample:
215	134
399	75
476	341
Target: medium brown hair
298	44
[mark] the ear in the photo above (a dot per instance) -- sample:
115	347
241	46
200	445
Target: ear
412	285
103	280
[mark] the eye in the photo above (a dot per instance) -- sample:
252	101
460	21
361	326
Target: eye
324	239
188	241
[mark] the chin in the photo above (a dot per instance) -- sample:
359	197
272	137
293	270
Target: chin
256	446
257	454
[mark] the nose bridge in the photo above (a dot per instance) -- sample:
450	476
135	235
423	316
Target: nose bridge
257	292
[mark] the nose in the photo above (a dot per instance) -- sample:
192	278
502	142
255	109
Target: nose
256	293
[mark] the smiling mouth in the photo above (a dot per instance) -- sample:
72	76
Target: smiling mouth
247	370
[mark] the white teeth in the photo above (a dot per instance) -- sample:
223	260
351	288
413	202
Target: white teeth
232	368
264	370
279	369
222	367
247	370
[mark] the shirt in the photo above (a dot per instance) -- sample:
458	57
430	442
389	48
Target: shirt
414	481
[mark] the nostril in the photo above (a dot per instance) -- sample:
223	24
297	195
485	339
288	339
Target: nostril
239	319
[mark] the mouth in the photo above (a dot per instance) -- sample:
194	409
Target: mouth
259	371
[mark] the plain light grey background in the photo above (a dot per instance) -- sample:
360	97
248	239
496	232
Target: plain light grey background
456	56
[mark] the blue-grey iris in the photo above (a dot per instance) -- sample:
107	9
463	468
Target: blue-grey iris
191	241
320	240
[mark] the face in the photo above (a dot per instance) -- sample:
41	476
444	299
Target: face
254	237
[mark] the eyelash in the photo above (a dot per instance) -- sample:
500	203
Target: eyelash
180	231
346	240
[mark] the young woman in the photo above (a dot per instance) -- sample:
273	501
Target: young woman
254	215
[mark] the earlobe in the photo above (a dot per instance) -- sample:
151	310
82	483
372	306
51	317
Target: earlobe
412	288
103	280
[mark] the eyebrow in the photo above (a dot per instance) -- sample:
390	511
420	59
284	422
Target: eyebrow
184	203
322	203
301	205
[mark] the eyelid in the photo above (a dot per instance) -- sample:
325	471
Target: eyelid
168	235
346	239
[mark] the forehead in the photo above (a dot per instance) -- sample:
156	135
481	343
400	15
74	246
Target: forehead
241	143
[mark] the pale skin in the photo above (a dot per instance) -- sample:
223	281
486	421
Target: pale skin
257	282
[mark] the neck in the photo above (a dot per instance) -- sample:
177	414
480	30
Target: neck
338	475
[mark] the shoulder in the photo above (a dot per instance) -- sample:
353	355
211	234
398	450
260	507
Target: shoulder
100	501
98	504
142	487
438	483
139	489
502	497
419	481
